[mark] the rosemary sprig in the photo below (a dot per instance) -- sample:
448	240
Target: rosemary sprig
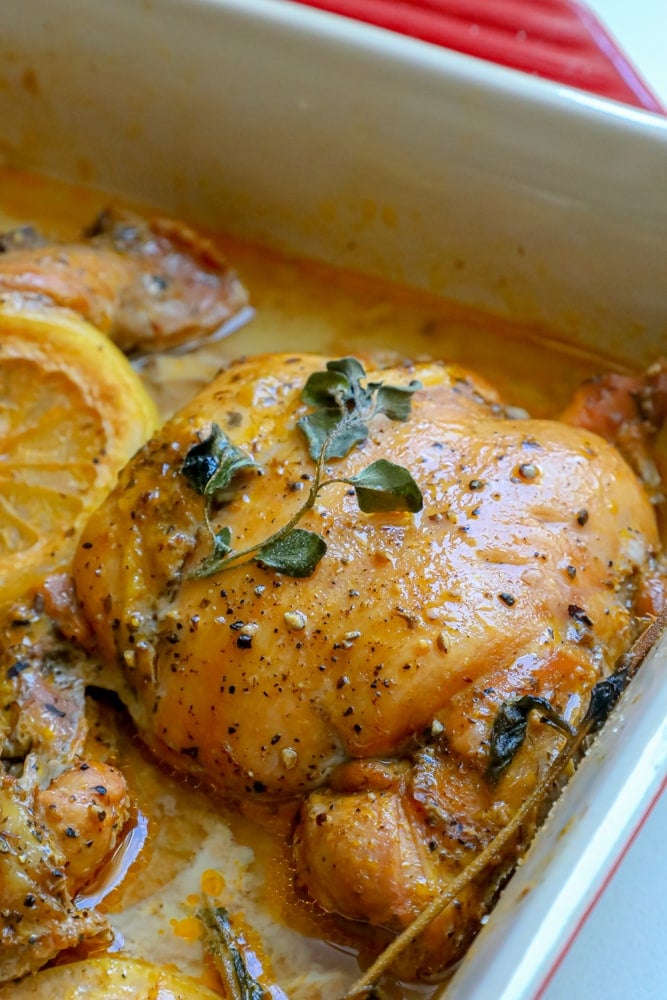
344	405
604	696
227	954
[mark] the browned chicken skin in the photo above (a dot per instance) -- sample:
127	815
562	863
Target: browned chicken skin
370	687
629	411
151	285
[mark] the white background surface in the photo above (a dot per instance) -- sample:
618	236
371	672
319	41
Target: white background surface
640	28
621	951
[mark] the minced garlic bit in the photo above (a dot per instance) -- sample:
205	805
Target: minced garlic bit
289	757
437	728
295	620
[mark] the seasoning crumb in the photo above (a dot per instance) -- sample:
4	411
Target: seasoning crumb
289	758
507	599
528	471
579	615
295	620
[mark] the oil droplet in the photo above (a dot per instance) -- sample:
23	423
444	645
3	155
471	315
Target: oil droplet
189	928
212	882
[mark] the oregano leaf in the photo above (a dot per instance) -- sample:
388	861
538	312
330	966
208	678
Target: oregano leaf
324	428
328	389
352	368
395	401
295	554
210	465
384	486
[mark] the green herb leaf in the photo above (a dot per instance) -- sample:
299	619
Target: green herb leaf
210	465
509	731
325	428
344	407
328	389
295	554
385	486
227	953
395	401
352	368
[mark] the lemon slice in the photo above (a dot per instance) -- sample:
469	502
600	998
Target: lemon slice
72	412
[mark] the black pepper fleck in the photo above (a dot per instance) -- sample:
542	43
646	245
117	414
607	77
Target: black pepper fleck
579	615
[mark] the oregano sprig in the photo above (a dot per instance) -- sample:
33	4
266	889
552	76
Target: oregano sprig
343	406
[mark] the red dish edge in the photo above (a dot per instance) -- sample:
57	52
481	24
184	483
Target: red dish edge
559	40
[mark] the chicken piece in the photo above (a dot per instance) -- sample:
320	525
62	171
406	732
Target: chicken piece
629	411
151	285
60	815
43	725
51	843
518	577
398	832
85	809
37	916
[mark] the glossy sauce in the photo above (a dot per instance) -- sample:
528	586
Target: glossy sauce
194	844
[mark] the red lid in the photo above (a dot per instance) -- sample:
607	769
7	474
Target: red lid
557	39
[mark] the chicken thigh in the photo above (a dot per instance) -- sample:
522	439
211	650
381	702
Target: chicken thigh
368	688
150	285
61	812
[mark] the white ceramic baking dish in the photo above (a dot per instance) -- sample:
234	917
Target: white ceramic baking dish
386	155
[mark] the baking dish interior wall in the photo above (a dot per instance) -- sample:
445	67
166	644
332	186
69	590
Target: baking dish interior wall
349	144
